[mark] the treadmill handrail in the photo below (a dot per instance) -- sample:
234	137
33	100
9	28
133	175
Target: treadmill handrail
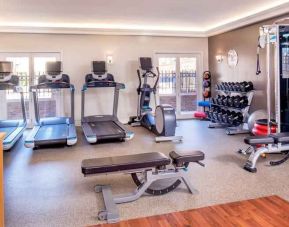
51	85
6	86
98	84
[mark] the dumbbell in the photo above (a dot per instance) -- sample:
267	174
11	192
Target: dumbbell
216	99
225	117
244	102
213	100
231	86
226	86
237	87
219	99
240	102
210	114
220	115
247	86
230	101
222	86
235	119
215	115
225	101
242	86
236	101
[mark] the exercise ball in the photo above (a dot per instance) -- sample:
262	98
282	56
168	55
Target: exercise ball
258	114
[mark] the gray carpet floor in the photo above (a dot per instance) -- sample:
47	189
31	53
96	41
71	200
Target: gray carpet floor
45	187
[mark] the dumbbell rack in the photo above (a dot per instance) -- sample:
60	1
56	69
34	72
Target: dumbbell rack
242	128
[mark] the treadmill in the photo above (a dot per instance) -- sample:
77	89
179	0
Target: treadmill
52	130
13	129
102	127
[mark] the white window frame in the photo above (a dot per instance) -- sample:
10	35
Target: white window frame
199	70
31	56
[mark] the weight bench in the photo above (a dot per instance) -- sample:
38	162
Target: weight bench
149	171
274	143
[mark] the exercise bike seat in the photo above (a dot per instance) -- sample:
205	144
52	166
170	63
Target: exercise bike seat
281	137
124	163
255	140
179	158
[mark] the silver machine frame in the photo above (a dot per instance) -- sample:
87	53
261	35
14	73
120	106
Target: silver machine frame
151	175
90	136
272	38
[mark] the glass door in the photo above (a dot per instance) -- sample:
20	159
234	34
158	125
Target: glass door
178	83
167	87
50	101
28	66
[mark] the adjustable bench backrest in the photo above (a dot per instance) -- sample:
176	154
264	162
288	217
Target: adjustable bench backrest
138	161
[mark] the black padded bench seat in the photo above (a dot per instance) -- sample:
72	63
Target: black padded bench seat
282	137
255	140
271	139
122	163
138	161
182	157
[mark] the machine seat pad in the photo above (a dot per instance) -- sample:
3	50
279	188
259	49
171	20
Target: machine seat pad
184	157
123	163
281	137
255	140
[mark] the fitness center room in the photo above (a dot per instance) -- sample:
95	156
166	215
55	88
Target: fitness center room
144	113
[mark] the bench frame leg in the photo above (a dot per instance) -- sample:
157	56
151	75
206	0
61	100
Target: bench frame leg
251	163
111	212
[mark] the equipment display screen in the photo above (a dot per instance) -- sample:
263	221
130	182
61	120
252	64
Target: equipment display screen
6	67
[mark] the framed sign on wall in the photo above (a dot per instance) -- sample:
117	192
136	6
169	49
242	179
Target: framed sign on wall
232	58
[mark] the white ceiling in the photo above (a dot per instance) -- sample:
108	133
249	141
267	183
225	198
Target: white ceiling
156	17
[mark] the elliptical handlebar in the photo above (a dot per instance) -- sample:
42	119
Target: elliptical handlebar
139	80
146	74
157	80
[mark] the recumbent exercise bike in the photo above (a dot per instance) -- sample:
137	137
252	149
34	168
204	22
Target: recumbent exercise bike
163	124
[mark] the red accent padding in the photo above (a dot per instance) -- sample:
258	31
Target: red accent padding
264	128
200	115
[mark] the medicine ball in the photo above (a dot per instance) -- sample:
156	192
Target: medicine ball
206	84
206	75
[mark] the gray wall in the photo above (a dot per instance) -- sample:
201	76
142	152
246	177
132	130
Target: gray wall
244	41
79	50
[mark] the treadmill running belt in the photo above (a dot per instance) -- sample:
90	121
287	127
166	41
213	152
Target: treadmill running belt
106	129
52	133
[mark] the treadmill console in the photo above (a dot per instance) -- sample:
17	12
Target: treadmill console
99	76
54	78
7	79
54	70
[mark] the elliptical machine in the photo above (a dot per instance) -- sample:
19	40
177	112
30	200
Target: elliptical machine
163	124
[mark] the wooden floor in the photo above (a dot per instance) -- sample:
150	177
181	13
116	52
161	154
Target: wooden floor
267	211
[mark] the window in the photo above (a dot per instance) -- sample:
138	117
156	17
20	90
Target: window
21	69
178	82
29	66
39	69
